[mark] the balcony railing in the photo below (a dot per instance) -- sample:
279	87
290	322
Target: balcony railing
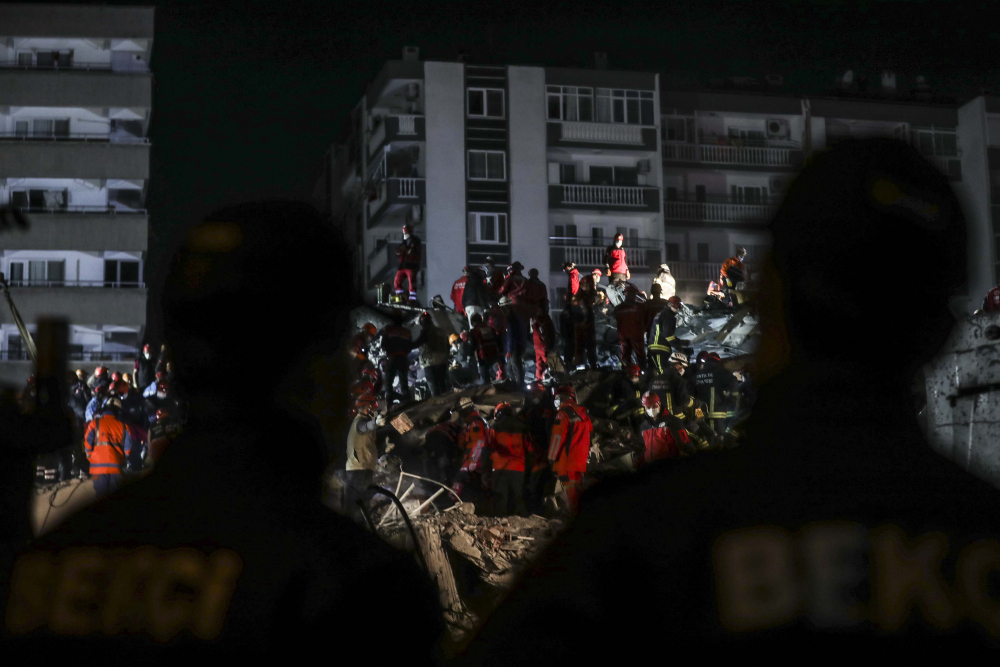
392	191
75	283
705	271
77	355
73	65
409	127
718	212
640	254
112	208
407	124
116	138
730	154
611	133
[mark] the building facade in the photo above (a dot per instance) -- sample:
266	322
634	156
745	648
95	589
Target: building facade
75	107
535	164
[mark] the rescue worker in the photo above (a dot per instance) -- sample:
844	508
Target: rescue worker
397	342
494	277
666	281
652	307
566	323
670	384
458	289
109	442
518	317
509	441
851	536
461	359
715	298
992	301
495	314
79	397
475	296
543	340
631	319
573	278
359	345
409	253
100	394
163	399
661	336
144	367
662	438
614	260
569	444
100	376
442	445
133	413
362	454
162	432
371	374
732	273
719	389
619	397
584	326
433	344
471	481
539	417
485	343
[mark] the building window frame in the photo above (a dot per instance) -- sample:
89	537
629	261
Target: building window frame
490	172
498	222
570	103
484	94
625	106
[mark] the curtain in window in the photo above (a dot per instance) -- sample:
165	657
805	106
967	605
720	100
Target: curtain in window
487	228
43	128
36	271
477	164
569	104
603	105
495	166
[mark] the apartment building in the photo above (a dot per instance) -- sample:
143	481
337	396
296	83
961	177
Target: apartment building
536	164
75	105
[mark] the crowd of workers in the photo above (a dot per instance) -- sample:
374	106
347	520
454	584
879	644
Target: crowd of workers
677	408
122	421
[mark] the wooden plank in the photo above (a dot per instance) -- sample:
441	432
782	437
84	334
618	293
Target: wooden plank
439	568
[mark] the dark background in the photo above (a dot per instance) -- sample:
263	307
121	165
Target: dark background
249	94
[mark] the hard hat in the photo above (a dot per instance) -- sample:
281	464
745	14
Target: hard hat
502	410
675	301
517	266
101	390
565	390
366	402
145	348
452	339
619	235
505	301
569	265
678	358
116	376
100	370
112	403
81	374
407	229
714	356
632	370
369	328
121	387
597	272
664	268
465	270
740	250
361	387
701	356
465	403
650	399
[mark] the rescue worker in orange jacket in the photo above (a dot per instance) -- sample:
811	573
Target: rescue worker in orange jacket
569	445
509	442
486	344
472	443
108	442
733	272
409	253
663	436
631	330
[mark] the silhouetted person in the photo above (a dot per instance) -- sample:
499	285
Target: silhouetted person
225	550
835	530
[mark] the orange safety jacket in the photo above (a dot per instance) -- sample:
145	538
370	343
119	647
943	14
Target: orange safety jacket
569	447
472	441
738	269
107	442
509	442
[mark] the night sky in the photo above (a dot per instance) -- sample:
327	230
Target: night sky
248	94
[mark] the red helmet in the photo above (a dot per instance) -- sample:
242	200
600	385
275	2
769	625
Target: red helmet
565	390
502	410
145	348
702	356
675	301
121	387
116	376
714	356
100	370
101	390
650	399
369	329
632	370
362	388
407	229
365	403
464	336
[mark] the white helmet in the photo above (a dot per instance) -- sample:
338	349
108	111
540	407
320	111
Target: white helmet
678	358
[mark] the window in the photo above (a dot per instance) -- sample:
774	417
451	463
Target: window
46	58
673	252
699	193
748	137
671	194
633	107
40	272
487	166
702	252
25	59
748	195
571	234
488	227
16	271
570	103
121	273
674	129
597	236
602	175
485	103
22	128
567	173
43	127
49	199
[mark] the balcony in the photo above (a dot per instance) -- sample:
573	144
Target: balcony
44	158
570	134
382	261
393	195
718	210
705	271
396	128
115	137
85	302
85	86
87	228
641	255
730	152
620	198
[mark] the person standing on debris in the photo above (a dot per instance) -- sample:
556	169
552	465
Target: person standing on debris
614	260
458	290
509	441
485	343
663	437
472	443
569	444
661	336
666	281
719	390
516	289
584	326
144	367
619	397
566	323
397	342
631	319
652	307
543	340
434	347
409	253
442	447
475	295
79	397
362	454
670	384
494	277
732	273
108	442
715	298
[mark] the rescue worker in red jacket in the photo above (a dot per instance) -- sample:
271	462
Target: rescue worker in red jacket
509	442
495	315
409	253
472	444
485	343
631	320
516	288
614	260
992	301
569	445
662	436
566	316
458	290
108	442
544	335
397	342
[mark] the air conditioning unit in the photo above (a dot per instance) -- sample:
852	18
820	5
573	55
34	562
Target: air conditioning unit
777	128
412	91
416	213
643	166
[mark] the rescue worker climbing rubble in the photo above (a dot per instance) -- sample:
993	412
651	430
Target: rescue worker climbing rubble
509	441
471	481
433	359
109	442
569	444
362	454
718	389
661	336
396	342
733	276
409	253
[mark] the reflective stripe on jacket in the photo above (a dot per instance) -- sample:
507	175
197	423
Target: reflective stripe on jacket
473	441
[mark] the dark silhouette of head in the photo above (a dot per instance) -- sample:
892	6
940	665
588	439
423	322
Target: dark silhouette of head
858	213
